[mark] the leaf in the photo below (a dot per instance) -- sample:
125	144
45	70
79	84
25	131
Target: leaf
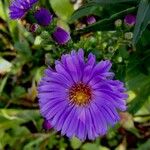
18	91
86	10
3	83
13	117
143	114
5	66
2	12
140	85
145	146
12	25
139	101
143	18
112	1
24	49
63	9
35	143
89	146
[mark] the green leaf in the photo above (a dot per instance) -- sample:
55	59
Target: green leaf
86	10
90	146
112	1
143	18
5	66
12	25
140	84
2	12
137	103
145	146
63	9
13	117
3	83
24	49
18	91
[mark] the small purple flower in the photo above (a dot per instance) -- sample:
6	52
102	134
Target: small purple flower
19	8
79	96
130	20
90	20
46	125
61	36
43	17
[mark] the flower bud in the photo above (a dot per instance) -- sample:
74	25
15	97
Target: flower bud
43	17
61	36
130	20
90	20
45	35
46	125
118	23
128	35
33	28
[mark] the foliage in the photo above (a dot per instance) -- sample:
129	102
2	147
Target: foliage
24	56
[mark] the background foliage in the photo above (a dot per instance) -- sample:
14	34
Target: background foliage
24	56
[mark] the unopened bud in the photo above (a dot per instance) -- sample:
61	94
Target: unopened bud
128	35
118	23
46	125
33	27
45	35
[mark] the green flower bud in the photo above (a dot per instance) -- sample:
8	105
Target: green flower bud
128	35
119	59
45	35
118	23
111	49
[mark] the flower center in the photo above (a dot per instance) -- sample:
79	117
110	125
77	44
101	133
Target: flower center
80	94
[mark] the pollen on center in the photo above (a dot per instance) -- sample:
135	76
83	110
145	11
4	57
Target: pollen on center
80	94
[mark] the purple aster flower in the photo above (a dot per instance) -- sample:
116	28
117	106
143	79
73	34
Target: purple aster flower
130	20
19	8
90	20
43	17
46	125
79	97
61	36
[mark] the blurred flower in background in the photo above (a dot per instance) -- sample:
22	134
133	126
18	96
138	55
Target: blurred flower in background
90	20
19	8
130	20
80	97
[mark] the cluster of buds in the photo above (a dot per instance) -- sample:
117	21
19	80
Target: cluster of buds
40	17
129	21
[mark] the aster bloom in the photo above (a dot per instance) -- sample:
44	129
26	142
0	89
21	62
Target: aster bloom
19	8
61	36
130	20
43	17
90	20
79	97
46	125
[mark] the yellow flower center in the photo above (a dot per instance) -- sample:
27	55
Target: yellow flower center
80	94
